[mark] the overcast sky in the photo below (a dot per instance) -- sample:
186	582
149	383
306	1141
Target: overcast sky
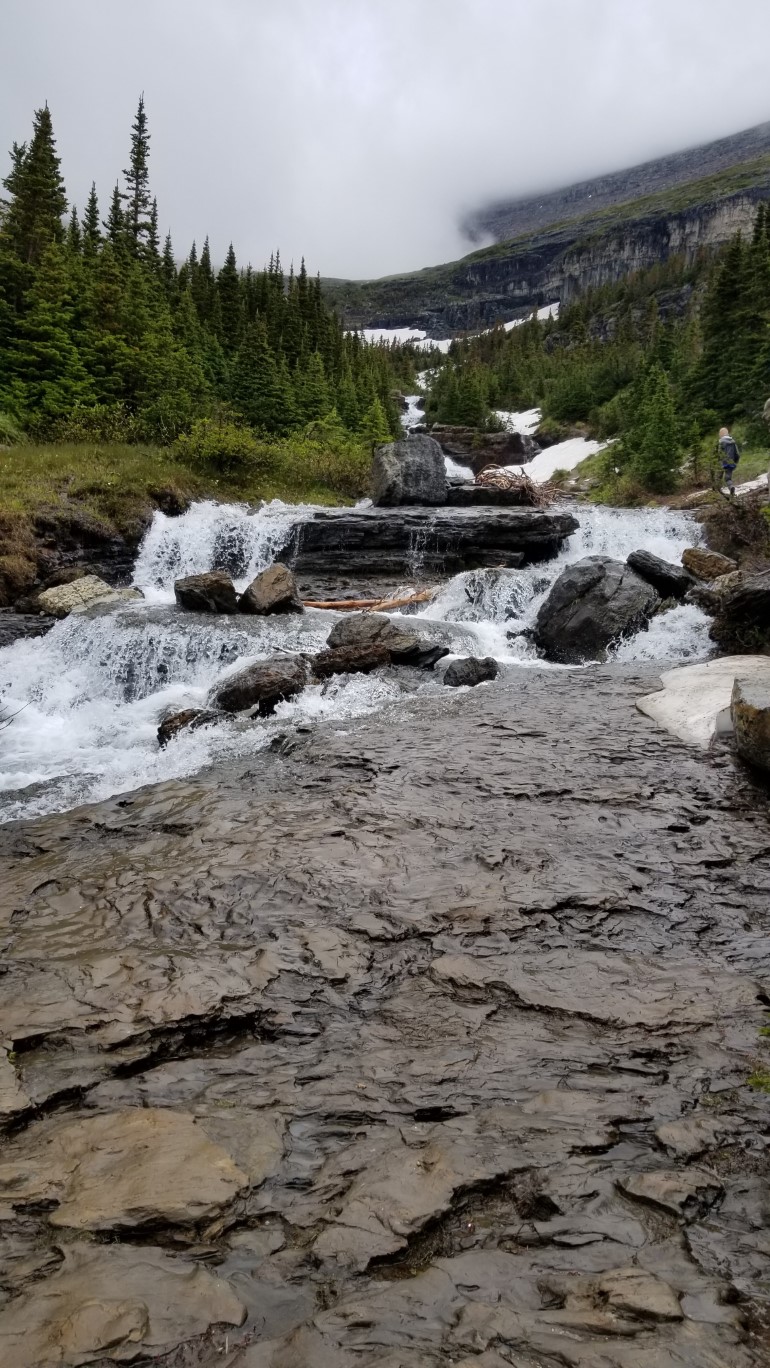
358	132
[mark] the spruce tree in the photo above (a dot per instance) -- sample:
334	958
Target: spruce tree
48	375
136	196
38	203
259	388
114	224
313	391
656	457
374	426
74	232
230	302
92	235
168	270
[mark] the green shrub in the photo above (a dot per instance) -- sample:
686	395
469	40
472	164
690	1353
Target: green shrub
220	446
10	432
96	423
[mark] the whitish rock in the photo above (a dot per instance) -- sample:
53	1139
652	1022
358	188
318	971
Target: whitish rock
123	1169
213	592
707	565
115	1303
273	591
693	1134
750	713
81	594
694	703
681	1191
410	471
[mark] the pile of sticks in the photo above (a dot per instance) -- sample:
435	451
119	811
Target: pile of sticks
531	495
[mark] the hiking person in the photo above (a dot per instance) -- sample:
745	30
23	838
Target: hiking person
729	456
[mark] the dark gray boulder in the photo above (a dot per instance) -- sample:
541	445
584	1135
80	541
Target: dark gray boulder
212	592
190	719
471	670
360	659
671	581
410	471
273	591
742	625
593	603
364	630
262	685
470	447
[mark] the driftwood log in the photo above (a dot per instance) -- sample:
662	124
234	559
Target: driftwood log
371	605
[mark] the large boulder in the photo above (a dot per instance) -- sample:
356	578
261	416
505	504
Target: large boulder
273	591
212	592
711	594
750	713
743	622
80	594
262	685
707	565
363	630
360	659
470	447
471	670
410	471
594	602
671	581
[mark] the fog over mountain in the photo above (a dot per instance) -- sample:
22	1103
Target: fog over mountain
361	132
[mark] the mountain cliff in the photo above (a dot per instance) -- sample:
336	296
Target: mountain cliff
559	259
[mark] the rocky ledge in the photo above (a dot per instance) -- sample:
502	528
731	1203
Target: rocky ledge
397	1048
384	541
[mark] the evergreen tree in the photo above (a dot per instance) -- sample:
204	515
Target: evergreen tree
374	426
259	386
49	378
168	271
655	458
92	235
74	232
152	247
136	196
230	302
313	392
38	203
114	224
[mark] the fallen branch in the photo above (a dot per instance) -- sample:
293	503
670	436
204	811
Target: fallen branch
370	605
518	482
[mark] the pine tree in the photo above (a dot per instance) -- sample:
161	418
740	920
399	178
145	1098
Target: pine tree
375	427
74	232
49	376
658	446
114	224
38	203
136	196
230	302
152	247
168	270
259	387
313	392
92	235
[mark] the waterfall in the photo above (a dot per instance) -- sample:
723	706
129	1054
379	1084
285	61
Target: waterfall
87	697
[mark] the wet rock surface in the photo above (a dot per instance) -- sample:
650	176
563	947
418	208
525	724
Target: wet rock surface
262	685
750	713
272	591
707	565
211	592
403	541
594	603
470	671
409	471
424	1042
671	581
743	617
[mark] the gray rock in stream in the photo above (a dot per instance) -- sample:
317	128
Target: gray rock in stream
594	602
364	631
470	671
272	591
671	581
409	471
212	592
262	685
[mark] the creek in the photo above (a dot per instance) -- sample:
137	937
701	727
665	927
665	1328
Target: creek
88	696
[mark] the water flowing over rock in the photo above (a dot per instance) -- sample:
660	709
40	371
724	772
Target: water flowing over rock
189	719
212	592
262	685
594	603
707	565
470	671
362	631
81	593
358	658
409	471
273	591
384	541
671	581
750	712
407	1045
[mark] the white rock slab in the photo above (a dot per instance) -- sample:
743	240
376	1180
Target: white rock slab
694	703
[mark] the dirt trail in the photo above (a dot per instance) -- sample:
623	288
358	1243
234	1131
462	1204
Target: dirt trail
422	1043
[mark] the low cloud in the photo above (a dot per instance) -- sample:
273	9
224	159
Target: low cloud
359	132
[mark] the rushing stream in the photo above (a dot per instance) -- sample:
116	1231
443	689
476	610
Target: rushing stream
87	698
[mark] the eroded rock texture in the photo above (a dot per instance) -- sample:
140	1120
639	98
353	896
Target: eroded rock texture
422	1043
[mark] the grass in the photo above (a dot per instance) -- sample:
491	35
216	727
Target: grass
120	486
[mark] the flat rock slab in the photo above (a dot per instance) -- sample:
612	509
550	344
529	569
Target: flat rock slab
421	1041
385	541
694	703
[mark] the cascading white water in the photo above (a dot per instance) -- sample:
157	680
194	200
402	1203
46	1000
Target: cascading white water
502	606
86	699
232	537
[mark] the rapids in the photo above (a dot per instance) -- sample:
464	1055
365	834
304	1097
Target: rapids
86	699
